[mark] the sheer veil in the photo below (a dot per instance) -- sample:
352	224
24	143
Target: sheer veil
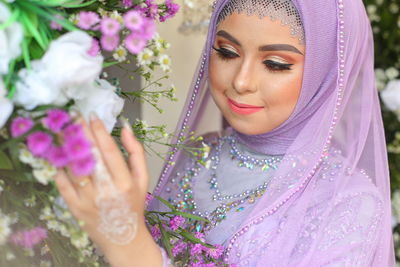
332	202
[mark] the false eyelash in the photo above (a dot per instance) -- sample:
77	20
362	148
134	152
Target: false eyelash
224	53
275	66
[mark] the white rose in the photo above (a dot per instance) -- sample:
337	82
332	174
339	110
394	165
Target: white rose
67	63
34	87
6	107
103	101
10	40
391	95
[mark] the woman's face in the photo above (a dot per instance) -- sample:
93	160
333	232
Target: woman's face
255	72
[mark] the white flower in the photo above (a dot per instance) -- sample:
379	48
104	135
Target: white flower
5	229
45	264
165	63
45	175
35	88
103	101
396	205
81	241
392	73
391	95
120	54
10	40
1	186
6	107
10	256
145	57
67	63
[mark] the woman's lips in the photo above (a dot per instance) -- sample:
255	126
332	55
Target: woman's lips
243	108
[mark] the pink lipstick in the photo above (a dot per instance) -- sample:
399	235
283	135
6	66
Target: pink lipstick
243	108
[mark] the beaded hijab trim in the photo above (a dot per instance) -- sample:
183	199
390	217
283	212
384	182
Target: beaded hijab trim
282	10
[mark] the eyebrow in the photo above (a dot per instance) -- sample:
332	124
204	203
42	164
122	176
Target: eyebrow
272	47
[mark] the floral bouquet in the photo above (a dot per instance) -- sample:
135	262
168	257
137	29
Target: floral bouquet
54	57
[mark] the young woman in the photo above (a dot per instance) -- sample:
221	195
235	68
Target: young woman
300	178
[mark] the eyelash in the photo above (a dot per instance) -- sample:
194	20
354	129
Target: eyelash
273	66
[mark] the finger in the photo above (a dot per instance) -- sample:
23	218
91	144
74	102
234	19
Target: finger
83	185
136	160
66	189
110	152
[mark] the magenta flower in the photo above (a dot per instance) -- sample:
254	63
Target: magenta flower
215	252
109	42
54	25
155	232
20	126
148	30
57	156
83	166
28	239
88	19
77	148
176	222
94	49
56	119
73	131
178	247
39	142
152	9
200	236
172	9
135	43
134	20
196	249
110	26
127	3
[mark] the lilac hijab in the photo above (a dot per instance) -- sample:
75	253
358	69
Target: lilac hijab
331	208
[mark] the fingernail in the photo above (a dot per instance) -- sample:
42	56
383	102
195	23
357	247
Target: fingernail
125	123
93	116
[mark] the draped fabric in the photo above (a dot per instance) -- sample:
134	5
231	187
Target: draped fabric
328	203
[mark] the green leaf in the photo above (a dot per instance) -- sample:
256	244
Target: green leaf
166	203
190	216
10	20
5	162
166	242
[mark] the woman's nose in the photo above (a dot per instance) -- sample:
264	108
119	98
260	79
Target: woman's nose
244	80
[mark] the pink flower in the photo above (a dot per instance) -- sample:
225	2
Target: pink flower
54	25
73	131
215	252
77	148
57	156
149	28
135	43
110	26
88	19
178	248
176	222
127	3
83	166
199	235
94	49
56	119
109	42
20	126
39	142
152	9
196	249
172	9
155	232
28	239
134	20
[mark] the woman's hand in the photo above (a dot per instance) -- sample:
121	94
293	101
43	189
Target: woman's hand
111	202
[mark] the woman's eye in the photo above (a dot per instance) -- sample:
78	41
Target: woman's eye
276	66
225	53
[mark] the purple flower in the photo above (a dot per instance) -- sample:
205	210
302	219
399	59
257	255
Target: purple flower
127	3
77	148
152	9
57	156
149	28
73	131
20	126
199	263
172	9
83	166
196	249
56	119
199	235
54	25
109	42
178	248
134	20
215	252
39	142
135	43
110	26
94	49
28	239
88	19
176	222
155	232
